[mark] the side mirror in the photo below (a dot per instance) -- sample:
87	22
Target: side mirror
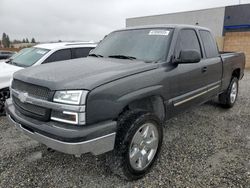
189	56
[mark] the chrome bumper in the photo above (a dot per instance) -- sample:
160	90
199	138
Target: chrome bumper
95	146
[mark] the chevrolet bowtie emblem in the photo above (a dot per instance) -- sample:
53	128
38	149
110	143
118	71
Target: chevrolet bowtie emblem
22	97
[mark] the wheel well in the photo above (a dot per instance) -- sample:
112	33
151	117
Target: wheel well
236	73
152	104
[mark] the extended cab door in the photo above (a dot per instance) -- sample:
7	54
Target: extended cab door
188	83
212	65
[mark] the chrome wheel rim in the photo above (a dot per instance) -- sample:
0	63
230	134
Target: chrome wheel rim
143	146
233	93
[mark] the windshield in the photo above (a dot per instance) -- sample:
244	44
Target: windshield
28	57
143	44
19	53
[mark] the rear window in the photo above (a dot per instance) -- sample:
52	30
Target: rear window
209	44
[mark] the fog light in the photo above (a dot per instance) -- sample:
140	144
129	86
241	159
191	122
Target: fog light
66	117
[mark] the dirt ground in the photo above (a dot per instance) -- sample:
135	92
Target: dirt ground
205	147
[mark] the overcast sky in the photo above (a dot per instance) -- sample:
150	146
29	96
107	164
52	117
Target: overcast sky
51	20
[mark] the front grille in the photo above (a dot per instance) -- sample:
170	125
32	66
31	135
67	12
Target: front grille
33	90
37	110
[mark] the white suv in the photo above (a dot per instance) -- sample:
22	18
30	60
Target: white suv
37	55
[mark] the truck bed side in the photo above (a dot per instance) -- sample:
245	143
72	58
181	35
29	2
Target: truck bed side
233	63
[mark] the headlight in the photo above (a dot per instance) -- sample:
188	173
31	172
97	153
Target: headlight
71	97
74	97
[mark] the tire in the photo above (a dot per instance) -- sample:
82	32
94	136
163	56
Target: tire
127	160
4	94
229	97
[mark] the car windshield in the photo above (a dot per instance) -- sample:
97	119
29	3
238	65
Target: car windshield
149	45
28	57
19	53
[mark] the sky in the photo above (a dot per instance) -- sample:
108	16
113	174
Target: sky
85	20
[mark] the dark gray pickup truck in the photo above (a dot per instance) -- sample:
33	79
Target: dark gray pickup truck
116	100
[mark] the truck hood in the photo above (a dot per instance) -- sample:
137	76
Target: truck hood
85	73
6	72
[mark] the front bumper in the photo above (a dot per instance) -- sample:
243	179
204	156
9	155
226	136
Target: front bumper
95	139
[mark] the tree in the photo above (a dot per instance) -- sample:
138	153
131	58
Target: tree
33	40
23	41
27	40
5	40
15	41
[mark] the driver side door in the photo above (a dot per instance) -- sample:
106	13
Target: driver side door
188	82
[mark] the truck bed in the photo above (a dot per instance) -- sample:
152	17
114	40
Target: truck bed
231	61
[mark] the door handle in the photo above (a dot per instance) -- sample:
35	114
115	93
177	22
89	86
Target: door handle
204	69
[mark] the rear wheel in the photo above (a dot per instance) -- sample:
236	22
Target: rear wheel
4	94
139	139
229	97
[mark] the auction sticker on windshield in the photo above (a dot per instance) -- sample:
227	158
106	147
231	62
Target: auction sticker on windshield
159	32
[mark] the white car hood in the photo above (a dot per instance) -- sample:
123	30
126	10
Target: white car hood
6	72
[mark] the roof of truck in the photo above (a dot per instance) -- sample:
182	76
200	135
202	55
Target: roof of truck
167	26
51	46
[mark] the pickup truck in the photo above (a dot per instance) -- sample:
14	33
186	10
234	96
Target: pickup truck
116	100
37	55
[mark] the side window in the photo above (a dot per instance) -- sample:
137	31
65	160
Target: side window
81	52
209	44
187	40
59	55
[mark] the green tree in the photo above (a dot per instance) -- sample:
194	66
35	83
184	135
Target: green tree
7	41
4	40
23	41
33	40
27	40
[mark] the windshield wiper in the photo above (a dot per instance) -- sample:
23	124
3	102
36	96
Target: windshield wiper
95	55
9	61
122	57
17	64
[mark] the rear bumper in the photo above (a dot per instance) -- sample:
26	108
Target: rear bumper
101	142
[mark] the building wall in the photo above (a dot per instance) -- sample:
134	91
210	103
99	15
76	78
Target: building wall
210	18
237	18
239	42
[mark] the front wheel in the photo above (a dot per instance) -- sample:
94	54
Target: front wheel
138	144
229	97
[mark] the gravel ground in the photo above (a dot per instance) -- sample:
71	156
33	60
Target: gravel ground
205	147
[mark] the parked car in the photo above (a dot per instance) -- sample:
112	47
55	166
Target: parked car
6	54
37	55
117	99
